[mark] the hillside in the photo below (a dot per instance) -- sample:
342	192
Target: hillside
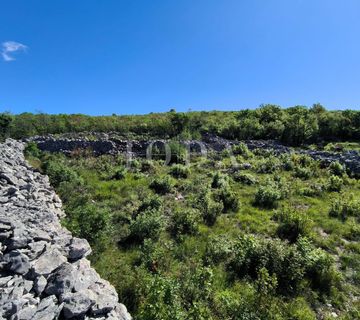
295	126
212	215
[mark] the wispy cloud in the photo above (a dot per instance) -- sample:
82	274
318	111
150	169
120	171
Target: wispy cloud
10	47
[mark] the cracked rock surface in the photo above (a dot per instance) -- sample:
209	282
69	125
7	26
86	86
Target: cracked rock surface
44	272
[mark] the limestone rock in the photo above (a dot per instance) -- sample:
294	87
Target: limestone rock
79	248
45	274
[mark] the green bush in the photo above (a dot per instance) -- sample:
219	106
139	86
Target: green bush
345	207
211	211
160	298
196	284
218	249
289	263
287	161
292	224
209	208
268	165
313	190
150	203
162	185
337	169
302	160
299	309
267	196
322	272
303	173
154	257
147	225
59	172
119	173
335	183
31	149
242	149
179	171
228	198
245	178
242	260
219	181
87	221
320	269
147	166
354	232
5	125
184	221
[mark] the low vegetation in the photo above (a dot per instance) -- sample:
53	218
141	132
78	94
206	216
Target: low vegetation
275	239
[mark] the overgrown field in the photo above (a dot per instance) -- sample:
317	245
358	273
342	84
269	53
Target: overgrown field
276	237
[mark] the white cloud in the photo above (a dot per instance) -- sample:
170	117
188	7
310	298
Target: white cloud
10	47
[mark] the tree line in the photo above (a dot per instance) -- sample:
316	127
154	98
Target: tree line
294	126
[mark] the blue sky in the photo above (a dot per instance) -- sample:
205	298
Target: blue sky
132	56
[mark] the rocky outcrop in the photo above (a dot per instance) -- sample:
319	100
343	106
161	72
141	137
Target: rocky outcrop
44	272
109	143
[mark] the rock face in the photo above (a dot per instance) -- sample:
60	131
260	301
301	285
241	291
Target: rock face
44	273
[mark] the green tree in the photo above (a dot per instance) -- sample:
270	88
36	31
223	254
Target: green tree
5	123
300	126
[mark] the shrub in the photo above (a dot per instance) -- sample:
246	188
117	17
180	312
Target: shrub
242	149
299	309
5	125
242	260
229	199
150	203
59	172
154	256
321	271
119	173
287	162
209	208
178	152
343	208
196	286
184	221
354	232
219	180
161	298
302	160
87	221
314	190
32	150
218	249
266	284
292	224
335	183
148	224
303	173
289	263
267	196
179	171
337	169
269	165
211	211
244	178
162	185
147	166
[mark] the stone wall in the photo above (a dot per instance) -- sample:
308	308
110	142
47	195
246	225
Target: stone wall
110	144
44	272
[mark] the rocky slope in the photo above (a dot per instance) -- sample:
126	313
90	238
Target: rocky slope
44	273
